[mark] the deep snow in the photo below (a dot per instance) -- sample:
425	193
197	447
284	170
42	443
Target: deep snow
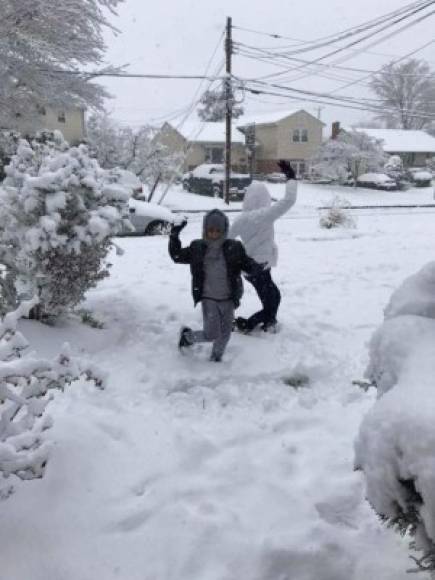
190	471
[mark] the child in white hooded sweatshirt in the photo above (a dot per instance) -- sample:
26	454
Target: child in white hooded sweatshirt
255	226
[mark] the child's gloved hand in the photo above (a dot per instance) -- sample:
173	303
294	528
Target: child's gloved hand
287	169
176	228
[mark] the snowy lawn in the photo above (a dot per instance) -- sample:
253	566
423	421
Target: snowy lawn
188	470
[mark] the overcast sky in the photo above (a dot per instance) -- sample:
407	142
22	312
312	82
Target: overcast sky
179	37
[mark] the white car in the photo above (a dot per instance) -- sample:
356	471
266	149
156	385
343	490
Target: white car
377	181
147	219
150	219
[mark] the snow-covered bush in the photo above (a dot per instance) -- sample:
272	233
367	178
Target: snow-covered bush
396	443
336	215
394	168
58	211
25	386
351	153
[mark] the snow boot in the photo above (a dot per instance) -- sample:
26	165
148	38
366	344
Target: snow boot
215	358
185	340
241	324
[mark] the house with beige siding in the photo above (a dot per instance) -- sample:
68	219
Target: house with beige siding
291	135
203	142
69	121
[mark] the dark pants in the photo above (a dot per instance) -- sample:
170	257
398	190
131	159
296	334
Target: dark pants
269	296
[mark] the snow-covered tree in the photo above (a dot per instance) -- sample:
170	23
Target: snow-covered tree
26	383
40	39
58	211
407	91
350	154
138	150
214	105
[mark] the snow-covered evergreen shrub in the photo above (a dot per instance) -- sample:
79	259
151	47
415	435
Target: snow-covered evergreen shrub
58	211
25	385
396	443
336	215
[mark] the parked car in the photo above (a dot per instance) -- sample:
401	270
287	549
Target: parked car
149	219
377	181
419	176
208	179
276	177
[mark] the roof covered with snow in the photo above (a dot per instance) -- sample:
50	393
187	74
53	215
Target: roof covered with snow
269	118
402	140
200	132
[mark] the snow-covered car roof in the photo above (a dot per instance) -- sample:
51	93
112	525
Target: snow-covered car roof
152	210
375	178
208	169
419	173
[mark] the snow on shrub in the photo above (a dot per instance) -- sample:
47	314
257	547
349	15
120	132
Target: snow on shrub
336	215
58	212
25	385
395	447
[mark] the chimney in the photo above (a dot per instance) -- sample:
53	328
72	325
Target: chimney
335	129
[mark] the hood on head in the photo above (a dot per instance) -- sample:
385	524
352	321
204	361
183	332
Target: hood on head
217	219
257	196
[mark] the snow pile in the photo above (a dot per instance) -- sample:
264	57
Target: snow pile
59	210
396	444
24	386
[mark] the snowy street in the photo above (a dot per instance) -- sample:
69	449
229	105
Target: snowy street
187	470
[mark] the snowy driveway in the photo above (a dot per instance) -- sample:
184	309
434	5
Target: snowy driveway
184	470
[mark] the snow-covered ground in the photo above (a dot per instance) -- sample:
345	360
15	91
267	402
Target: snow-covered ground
187	470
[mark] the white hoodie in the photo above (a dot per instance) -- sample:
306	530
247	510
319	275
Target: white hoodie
255	225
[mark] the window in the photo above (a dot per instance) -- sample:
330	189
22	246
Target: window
300	135
214	154
61	117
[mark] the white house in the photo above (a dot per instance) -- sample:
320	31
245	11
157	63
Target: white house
414	147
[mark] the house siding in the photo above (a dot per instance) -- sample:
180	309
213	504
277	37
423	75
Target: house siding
73	129
275	141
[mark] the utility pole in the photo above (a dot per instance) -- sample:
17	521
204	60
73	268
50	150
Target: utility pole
229	108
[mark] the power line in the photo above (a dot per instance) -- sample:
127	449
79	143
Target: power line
269	56
326	40
342	100
135	75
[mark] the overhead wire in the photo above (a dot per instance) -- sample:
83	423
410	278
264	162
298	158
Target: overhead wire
329	39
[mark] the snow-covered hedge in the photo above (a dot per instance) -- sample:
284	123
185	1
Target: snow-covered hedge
25	385
396	443
58	211
336	216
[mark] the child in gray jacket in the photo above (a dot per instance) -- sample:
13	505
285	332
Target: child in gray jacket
216	264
